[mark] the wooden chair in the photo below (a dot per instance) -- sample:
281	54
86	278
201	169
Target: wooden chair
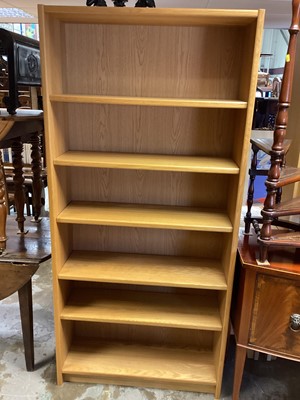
28	186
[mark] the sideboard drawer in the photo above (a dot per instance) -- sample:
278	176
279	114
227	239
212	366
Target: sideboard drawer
276	300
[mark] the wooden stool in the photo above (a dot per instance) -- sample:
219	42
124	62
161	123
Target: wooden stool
18	263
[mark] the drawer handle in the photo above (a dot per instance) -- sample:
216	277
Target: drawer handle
295	322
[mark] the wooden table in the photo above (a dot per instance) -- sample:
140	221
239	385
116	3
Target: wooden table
20	254
25	126
266	304
18	263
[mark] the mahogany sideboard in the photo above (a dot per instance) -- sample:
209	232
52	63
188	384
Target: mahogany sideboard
265	305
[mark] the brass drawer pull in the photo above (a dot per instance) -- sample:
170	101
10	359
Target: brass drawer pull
295	322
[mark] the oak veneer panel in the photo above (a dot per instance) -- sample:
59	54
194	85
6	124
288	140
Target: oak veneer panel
147	101
144	335
140	363
179	83
150	17
155	65
118	239
151	130
144	270
144	216
161	188
152	162
139	308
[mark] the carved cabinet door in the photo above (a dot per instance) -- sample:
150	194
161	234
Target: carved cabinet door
275	321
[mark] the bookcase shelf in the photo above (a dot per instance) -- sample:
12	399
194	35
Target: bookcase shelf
152	366
148	101
146	216
151	162
142	308
147	142
143	269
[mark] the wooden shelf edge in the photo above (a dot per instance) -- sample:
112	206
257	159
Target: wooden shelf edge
92	159
147	101
141	382
144	269
144	216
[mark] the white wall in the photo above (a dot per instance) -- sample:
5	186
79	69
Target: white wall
273	43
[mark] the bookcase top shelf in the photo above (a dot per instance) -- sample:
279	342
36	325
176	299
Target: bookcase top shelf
142	16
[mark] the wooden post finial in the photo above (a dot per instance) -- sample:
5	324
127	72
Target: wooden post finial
295	16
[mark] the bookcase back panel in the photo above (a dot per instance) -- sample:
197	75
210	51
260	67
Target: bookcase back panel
151	130
153	61
116	288
148	241
145	335
149	187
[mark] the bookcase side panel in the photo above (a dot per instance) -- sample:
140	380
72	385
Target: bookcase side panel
53	53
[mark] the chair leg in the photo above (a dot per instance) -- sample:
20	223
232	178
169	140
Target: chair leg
250	195
25	303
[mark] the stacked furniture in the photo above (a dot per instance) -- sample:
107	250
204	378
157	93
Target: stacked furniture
265	307
26	126
281	175
148	117
23	247
23	65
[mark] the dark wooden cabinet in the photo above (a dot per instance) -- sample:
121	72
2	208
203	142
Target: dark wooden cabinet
264	300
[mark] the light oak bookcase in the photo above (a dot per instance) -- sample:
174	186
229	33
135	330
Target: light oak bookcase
147	115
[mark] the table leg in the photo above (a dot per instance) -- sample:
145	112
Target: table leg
36	167
240	357
25	302
3	208
17	150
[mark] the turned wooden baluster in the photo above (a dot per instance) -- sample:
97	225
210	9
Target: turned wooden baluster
277	153
251	189
36	167
3	208
17	150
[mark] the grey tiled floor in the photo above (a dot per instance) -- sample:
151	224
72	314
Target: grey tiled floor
263	380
